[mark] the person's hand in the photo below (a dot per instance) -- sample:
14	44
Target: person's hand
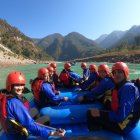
57	92
80	98
59	132
76	84
65	98
95	112
78	90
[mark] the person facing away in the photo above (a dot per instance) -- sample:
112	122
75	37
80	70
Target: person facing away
102	91
16	120
124	112
43	91
68	77
91	82
86	72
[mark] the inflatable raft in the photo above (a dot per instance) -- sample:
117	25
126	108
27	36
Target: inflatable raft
72	118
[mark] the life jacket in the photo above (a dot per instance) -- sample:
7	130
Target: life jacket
53	88
106	98
36	88
133	117
115	100
24	101
65	78
5	121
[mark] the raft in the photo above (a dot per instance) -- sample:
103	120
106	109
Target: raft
72	118
68	114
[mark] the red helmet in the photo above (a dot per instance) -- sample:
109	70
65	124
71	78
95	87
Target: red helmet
50	69
83	65
104	67
67	65
53	65
121	66
42	71
14	78
92	67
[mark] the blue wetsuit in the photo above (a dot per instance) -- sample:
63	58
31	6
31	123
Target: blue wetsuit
126	115
18	112
104	85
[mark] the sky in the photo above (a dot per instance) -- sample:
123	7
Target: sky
91	18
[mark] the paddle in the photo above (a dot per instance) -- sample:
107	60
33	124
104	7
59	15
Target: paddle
55	129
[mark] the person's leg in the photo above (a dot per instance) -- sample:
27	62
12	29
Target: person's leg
39	119
34	113
98	123
43	120
93	122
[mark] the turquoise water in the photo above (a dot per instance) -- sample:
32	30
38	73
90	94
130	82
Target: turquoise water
30	71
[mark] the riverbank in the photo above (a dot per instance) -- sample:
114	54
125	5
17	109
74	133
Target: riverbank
128	57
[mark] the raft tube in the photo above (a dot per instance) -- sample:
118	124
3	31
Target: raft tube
68	114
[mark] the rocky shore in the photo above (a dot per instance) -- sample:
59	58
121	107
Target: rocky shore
128	58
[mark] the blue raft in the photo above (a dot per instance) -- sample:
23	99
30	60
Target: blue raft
72	118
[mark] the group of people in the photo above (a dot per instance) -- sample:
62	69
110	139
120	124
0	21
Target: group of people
120	97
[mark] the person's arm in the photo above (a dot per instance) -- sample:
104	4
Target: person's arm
18	112
105	84
47	90
74	76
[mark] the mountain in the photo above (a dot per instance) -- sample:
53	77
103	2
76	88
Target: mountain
71	46
108	41
129	36
101	38
20	44
116	38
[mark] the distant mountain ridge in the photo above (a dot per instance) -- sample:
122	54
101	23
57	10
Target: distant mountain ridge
115	38
65	48
20	44
71	46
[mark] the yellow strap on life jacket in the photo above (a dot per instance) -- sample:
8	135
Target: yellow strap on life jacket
22	130
107	96
126	121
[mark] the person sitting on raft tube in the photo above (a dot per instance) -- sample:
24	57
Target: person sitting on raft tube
91	82
15	118
125	106
51	72
68	77
102	91
86	73
55	75
43	91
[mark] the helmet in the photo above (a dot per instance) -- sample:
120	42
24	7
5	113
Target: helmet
104	67
42	71
67	65
83	65
53	65
50	69
121	66
14	78
92	67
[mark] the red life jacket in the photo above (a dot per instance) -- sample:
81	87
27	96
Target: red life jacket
36	88
115	101
65	78
53	88
3	108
